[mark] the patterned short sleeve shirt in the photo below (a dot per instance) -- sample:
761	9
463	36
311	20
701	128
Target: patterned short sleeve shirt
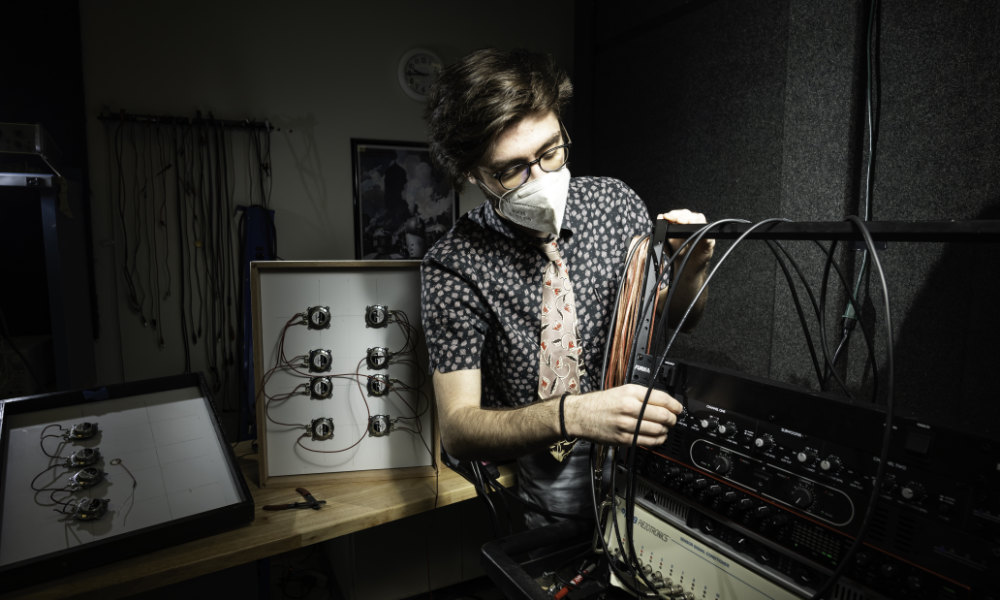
481	288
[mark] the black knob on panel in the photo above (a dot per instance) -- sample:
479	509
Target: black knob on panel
831	464
708	423
727	428
721	464
801	497
913	491
805	457
764	442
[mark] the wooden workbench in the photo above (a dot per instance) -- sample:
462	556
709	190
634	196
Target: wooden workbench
350	507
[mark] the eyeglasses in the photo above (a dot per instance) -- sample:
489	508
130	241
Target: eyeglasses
552	160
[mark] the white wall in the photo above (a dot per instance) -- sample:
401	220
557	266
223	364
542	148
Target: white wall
321	72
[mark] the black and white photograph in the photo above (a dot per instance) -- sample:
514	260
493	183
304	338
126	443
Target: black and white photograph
401	205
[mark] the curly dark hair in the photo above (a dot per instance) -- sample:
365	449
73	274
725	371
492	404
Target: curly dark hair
475	99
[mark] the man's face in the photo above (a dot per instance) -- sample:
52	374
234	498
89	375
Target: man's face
521	143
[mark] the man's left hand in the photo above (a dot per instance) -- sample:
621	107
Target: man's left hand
683	216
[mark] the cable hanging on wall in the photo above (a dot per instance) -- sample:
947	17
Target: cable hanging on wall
865	210
175	184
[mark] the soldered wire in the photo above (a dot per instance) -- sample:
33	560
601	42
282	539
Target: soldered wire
409	422
130	500
42	437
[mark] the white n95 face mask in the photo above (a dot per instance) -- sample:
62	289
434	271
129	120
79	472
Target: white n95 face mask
538	204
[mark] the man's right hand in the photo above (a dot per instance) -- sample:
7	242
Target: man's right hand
469	431
610	416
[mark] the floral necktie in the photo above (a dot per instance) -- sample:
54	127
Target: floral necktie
559	353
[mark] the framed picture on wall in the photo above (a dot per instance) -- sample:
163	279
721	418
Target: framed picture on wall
401	204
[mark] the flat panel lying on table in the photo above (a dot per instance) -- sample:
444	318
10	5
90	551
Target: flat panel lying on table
93	476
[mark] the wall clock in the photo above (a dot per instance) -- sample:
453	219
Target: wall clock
418	68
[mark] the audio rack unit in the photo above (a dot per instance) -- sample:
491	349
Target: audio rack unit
780	478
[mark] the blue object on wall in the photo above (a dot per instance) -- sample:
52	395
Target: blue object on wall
258	237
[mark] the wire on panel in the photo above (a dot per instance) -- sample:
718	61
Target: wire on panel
72	473
312	371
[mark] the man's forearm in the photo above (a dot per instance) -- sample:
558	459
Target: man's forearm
500	434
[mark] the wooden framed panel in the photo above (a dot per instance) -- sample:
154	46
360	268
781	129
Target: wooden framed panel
93	476
342	387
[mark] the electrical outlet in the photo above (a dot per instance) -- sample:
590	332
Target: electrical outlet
85	478
378	357
89	509
84	457
379	426
82	431
318	317
320	388
377	315
322	429
320	360
378	385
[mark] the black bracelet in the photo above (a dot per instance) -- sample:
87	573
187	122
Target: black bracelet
562	416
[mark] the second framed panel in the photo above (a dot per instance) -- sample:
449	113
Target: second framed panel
343	389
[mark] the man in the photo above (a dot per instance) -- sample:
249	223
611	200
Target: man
494	122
